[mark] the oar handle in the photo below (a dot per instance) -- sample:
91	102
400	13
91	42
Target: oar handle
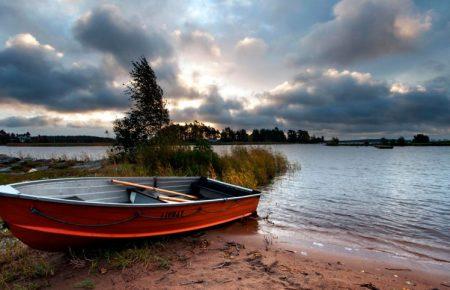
152	188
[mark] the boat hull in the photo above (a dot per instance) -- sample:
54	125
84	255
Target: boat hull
55	226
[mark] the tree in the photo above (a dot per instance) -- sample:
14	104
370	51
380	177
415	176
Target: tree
333	142
421	138
256	137
401	141
4	137
148	113
292	136
303	136
241	135
227	135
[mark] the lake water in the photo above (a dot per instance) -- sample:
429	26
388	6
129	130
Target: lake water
395	202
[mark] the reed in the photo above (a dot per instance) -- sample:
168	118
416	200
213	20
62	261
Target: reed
246	166
252	166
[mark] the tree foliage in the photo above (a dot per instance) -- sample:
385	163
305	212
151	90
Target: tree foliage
148	113
421	138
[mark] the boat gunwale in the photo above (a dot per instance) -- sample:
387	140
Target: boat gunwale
254	193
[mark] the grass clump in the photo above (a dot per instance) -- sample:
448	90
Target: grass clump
20	264
121	256
85	284
139	254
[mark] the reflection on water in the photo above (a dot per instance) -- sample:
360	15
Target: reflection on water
395	201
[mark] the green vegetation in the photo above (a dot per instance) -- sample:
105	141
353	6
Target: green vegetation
26	139
20	264
85	284
246	166
252	167
6	178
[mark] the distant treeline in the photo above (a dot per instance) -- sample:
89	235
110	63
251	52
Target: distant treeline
189	133
26	138
192	132
195	131
418	140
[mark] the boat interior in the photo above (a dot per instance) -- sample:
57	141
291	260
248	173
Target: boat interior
103	190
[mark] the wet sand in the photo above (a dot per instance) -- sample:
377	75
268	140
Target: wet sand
236	257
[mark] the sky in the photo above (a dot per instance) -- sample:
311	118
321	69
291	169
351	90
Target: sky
349	68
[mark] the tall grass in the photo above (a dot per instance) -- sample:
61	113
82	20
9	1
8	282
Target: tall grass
169	159
252	167
246	166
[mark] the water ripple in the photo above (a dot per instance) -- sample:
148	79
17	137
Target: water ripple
397	202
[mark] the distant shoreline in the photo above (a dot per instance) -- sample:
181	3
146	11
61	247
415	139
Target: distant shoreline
99	144
435	144
56	144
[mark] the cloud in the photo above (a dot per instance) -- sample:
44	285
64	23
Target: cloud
197	42
34	73
106	30
250	46
336	101
363	30
38	121
214	108
346	100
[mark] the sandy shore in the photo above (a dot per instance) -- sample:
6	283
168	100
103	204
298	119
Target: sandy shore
233	257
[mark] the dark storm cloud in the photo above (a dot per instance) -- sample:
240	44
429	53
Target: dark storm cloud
33	73
363	30
38	121
106	30
335	101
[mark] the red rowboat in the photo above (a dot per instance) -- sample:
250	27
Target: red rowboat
58	214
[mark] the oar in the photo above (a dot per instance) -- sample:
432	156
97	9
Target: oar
159	197
152	188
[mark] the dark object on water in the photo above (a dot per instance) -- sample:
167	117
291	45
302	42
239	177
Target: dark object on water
384	146
74	212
